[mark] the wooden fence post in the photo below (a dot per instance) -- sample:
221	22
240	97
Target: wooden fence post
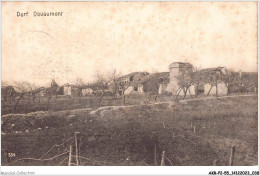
69	163
76	148
231	159
124	99
155	155
163	159
194	129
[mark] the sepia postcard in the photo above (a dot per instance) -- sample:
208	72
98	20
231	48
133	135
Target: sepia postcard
129	84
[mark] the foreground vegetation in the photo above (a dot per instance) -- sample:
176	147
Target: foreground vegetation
61	103
197	132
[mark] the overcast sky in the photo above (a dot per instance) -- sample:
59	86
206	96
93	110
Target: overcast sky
127	36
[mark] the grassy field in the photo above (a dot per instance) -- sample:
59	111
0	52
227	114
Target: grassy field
63	102
68	103
128	135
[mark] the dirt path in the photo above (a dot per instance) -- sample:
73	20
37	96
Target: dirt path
105	108
222	97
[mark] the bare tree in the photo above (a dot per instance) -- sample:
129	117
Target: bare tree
214	78
185	81
107	80
122	87
113	81
80	84
188	77
24	89
101	79
154	87
151	84
196	80
51	90
37	93
230	79
7	93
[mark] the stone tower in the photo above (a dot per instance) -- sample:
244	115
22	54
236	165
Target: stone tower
176	69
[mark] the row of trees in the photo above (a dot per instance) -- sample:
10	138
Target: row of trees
26	91
111	79
119	88
30	92
214	77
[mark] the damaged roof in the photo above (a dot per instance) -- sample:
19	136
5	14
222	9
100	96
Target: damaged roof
152	77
